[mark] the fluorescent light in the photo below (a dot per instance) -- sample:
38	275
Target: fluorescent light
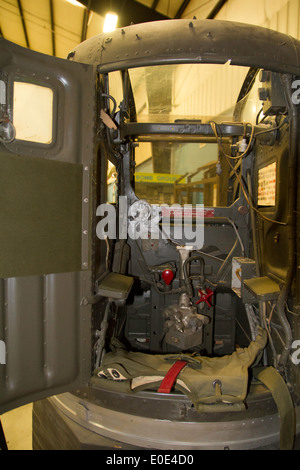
110	22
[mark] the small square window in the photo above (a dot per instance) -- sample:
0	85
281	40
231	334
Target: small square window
33	112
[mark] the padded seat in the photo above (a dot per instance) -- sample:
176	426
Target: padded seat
263	288
115	286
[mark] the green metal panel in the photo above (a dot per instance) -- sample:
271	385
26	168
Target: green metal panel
40	208
45	213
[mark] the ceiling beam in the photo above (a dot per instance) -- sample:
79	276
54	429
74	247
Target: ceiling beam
85	21
181	9
216	9
154	4
52	27
86	15
128	11
23	23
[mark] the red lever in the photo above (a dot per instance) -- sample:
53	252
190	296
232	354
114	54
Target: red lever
205	296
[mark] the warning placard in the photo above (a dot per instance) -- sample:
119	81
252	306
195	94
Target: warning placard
267	185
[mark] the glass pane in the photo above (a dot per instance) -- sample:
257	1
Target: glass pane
33	112
165	93
173	172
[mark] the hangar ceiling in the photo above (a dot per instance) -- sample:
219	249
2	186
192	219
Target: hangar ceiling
55	27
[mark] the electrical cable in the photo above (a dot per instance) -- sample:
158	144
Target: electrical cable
272	129
106	95
214	128
238	235
227	157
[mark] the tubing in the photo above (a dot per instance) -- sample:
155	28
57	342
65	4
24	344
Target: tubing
187	279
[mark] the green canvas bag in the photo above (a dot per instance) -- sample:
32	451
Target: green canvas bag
212	384
218	381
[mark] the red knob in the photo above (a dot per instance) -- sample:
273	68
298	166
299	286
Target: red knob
167	276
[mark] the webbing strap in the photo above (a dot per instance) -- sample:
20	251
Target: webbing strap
277	386
171	376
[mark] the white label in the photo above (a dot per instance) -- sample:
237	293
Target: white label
2	92
2	353
267	185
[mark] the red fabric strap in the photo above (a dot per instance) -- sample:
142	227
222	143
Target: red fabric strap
171	376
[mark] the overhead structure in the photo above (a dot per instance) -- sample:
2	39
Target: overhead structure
55	27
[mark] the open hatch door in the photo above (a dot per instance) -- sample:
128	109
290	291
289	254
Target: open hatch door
46	153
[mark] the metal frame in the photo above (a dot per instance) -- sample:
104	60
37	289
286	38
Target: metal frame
177	434
184	128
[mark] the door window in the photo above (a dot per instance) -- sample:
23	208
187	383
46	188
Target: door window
33	112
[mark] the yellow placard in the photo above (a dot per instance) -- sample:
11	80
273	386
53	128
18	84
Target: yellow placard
164	178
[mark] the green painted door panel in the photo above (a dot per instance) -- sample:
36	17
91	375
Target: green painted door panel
46	156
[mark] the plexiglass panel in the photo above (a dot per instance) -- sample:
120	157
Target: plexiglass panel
165	93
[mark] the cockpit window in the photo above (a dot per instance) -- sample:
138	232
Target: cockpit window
33	112
174	172
165	93
183	169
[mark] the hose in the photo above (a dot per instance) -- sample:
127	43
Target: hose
187	279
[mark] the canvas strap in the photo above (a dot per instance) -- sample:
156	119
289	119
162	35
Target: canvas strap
171	376
277	386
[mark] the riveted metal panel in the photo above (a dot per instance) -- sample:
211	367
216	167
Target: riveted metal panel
199	41
46	332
